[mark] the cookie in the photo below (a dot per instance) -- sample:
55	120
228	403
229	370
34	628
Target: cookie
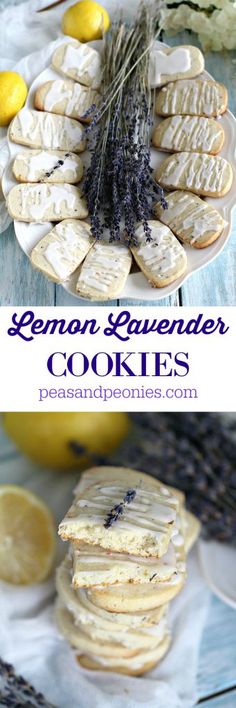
104	271
48	166
107	514
189	134
207	175
140	664
162	260
81	641
60	252
107	473
78	61
44	130
173	63
81	606
97	629
95	566
46	202
192	220
136	598
66	98
195	98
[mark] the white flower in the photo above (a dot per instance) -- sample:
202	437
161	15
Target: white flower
216	29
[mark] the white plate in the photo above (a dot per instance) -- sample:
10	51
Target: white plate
137	286
218	564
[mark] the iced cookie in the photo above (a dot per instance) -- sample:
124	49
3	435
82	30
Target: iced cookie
44	130
78	61
191	219
99	625
144	661
196	98
48	166
46	202
104	271
67	98
82	607
60	252
173	63
162	260
95	566
189	134
140	520
207	175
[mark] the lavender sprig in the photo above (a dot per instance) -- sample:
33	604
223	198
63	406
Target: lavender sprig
119	184
118	509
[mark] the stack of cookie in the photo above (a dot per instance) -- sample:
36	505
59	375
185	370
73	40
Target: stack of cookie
129	535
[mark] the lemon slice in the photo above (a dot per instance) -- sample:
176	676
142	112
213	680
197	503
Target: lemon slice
27	536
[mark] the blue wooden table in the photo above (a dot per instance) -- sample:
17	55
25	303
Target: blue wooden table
213	285
217	659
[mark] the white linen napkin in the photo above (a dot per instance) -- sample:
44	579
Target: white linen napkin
30	640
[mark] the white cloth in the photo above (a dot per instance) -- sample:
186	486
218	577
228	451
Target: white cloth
30	641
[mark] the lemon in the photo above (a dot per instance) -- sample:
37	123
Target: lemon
13	92
66	440
86	21
27	536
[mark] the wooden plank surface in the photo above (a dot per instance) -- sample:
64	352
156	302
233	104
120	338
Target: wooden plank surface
225	700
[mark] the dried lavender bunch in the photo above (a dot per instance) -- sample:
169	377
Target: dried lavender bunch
15	691
119	184
195	452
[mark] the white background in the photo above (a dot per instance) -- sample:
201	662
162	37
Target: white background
23	365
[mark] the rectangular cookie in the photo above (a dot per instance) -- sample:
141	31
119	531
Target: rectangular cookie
192	220
209	175
140	520
45	130
66	98
78	61
198	97
173	63
189	134
96	566
104	271
48	166
162	260
60	252
46	202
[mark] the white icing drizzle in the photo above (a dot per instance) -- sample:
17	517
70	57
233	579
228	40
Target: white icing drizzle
189	132
37	200
77	98
205	173
47	131
85	63
187	213
163	254
38	163
191	97
65	253
177	61
105	264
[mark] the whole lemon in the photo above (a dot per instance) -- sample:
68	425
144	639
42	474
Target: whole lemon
86	21
13	92
65	440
